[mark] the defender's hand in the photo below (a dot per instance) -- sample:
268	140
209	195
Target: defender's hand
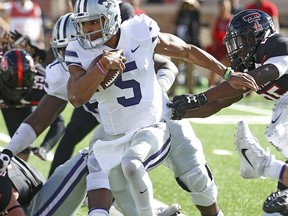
244	81
5	158
189	101
181	103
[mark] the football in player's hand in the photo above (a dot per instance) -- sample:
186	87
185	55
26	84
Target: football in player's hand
111	76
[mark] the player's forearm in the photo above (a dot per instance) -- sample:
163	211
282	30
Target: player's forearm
268	72
222	91
211	108
81	88
45	113
205	60
23	137
36	123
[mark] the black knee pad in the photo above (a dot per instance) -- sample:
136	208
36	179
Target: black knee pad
184	187
281	186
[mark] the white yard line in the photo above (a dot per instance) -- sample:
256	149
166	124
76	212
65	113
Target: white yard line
263	116
231	119
250	109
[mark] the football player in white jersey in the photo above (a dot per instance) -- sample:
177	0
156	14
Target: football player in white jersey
134	137
53	104
134	101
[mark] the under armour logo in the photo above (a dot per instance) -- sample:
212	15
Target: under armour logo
192	98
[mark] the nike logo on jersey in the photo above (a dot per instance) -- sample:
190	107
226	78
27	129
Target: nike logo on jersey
243	151
275	120
141	192
134	50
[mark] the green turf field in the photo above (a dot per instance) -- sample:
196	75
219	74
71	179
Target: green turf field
237	197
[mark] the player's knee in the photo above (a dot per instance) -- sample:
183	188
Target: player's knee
130	166
200	184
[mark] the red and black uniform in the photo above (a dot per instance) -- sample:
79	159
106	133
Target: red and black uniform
275	45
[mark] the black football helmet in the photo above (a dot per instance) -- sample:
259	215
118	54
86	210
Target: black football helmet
246	30
17	71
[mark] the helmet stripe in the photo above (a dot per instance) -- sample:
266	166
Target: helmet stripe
19	68
58	30
66	20
82	6
85	5
76	6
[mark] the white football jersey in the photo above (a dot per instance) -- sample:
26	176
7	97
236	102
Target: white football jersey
56	80
135	100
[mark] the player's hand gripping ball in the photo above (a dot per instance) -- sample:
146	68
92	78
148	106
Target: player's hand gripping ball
116	63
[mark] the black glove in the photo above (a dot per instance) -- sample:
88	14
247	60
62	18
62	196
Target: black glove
176	114
5	158
18	38
15	35
38	55
181	103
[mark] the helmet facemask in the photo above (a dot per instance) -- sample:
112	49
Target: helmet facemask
245	32
106	16
86	39
242	47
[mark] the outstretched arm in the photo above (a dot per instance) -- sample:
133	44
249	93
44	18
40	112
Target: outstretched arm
211	108
173	46
205	104
182	103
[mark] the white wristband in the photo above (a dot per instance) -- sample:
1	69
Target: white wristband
165	79
23	138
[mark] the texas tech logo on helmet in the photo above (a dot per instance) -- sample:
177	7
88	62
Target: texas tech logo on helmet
254	17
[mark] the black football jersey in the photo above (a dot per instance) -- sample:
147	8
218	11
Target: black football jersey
275	45
34	97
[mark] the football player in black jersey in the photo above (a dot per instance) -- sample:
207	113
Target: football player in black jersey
21	88
256	48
